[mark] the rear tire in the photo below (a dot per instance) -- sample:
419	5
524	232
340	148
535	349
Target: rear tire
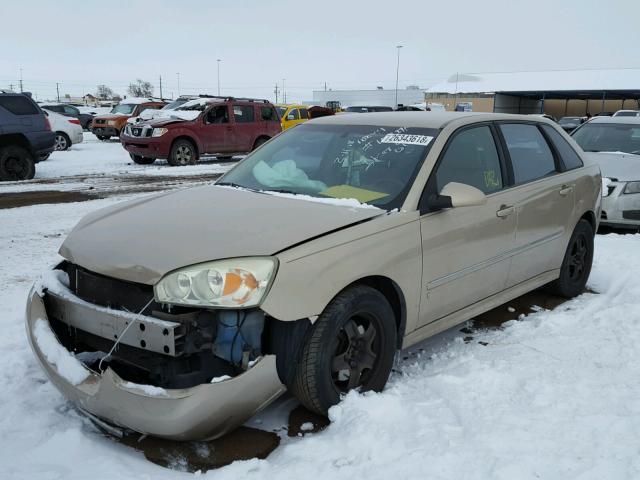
576	265
140	160
62	142
183	152
259	142
351	345
16	163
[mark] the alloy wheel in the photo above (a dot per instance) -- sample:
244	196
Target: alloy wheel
356	353
60	142
17	168
578	258
184	154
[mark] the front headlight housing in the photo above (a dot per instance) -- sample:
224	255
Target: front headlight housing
158	132
111	123
632	187
232	283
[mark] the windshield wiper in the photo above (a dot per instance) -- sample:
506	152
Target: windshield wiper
281	190
233	184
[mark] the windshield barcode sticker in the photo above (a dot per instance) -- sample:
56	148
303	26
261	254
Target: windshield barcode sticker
406	139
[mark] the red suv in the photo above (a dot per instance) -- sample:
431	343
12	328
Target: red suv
221	126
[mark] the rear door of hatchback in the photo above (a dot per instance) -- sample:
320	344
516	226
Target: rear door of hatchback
544	170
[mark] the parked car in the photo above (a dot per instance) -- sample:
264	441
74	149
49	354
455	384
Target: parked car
368	108
69	111
216	126
292	115
604	114
309	265
614	144
111	125
68	131
569	124
627	113
25	136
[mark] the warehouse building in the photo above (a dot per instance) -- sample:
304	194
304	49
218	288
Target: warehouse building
557	93
379	97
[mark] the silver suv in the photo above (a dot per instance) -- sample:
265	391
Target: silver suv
309	265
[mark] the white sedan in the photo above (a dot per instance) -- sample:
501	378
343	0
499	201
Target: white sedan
68	130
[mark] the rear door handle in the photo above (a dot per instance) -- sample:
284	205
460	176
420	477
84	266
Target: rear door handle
505	211
566	190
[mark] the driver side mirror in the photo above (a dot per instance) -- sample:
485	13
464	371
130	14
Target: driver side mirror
455	195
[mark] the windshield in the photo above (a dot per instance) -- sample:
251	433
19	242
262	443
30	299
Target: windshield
374	165
124	108
173	105
281	111
609	137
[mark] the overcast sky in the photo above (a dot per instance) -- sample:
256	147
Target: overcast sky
345	43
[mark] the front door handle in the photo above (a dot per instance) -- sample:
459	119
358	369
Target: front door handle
566	190
505	211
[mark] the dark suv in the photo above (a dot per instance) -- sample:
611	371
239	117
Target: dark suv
25	136
70	111
221	126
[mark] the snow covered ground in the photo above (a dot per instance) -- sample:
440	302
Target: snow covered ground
554	395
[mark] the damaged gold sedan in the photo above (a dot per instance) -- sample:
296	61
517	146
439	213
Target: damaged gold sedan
308	266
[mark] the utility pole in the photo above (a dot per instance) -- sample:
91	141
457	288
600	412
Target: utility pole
21	90
161	87
325	86
178	75
397	73
11	86
218	76
276	92
284	93
58	91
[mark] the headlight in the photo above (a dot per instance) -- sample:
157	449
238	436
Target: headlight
632	187
233	283
157	132
111	122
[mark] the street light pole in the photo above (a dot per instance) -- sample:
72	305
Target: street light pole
218	77
397	73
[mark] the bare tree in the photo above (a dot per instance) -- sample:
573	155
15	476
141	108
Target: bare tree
140	88
103	92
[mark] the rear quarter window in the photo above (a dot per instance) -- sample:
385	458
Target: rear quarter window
569	156
19	105
268	114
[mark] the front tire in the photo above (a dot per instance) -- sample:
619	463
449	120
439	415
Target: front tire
576	265
16	163
140	160
351	345
62	142
183	152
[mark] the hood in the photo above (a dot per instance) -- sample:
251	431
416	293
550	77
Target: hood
111	116
142	240
161	122
617	165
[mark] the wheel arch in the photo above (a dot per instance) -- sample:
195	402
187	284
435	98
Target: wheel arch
590	217
188	139
262	136
393	293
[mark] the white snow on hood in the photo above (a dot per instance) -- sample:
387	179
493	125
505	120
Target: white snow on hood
146	389
63	361
181	114
619	165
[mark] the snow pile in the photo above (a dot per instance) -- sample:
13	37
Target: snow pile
63	361
341	202
149	390
220	379
180	114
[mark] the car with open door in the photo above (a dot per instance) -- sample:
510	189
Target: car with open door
309	265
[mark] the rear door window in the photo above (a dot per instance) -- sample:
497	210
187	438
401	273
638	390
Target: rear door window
569	156
243	113
531	156
471	158
19	105
268	114
293	115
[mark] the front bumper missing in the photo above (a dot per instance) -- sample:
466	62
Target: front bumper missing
203	412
